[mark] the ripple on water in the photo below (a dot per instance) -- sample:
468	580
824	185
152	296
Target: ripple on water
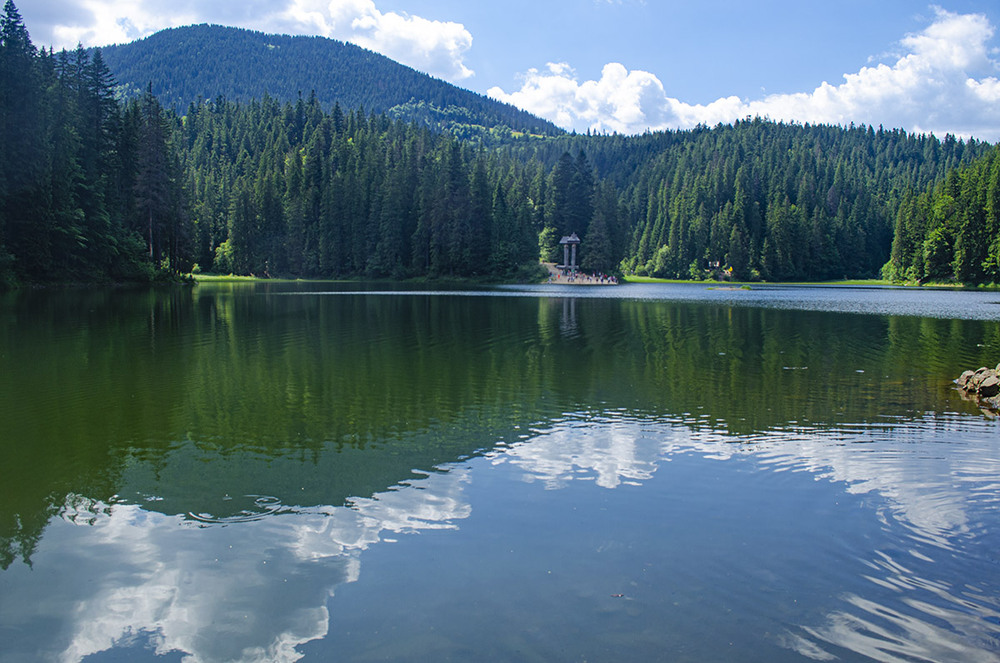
257	507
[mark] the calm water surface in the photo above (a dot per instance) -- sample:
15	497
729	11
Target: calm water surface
329	472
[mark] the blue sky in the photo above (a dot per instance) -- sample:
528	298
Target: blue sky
633	65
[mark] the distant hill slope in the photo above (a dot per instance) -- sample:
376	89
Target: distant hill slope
208	61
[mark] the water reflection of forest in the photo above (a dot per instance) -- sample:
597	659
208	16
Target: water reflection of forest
239	387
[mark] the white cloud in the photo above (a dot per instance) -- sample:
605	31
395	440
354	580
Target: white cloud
435	47
945	81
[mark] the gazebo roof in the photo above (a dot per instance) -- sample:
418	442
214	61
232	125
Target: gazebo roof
570	239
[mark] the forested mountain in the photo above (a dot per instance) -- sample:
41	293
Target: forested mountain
94	187
202	62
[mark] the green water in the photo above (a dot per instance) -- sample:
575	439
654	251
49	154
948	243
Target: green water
326	472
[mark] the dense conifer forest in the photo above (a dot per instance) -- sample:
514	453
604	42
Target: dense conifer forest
89	187
288	189
951	229
97	187
764	199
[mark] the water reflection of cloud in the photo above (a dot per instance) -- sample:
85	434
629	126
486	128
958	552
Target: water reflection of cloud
620	455
881	633
927	493
177	583
184	584
925	500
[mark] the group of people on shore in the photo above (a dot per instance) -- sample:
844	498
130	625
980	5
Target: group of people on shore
583	278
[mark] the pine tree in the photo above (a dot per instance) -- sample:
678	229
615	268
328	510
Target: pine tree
971	242
152	184
991	267
22	152
598	252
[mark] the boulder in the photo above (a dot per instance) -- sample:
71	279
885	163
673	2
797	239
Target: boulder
983	387
990	386
963	379
978	377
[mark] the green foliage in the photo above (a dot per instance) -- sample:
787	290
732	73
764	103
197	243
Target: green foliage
288	189
602	251
782	201
548	245
951	231
223	263
938	249
70	194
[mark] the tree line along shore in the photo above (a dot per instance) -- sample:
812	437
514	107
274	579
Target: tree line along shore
95	187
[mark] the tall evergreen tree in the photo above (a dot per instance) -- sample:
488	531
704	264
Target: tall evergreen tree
598	252
22	151
156	205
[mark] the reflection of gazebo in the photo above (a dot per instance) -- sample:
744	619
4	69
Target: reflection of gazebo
569	253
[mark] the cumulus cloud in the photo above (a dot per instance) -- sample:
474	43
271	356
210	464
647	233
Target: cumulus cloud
435	47
945	81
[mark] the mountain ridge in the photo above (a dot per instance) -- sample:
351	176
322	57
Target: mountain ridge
199	62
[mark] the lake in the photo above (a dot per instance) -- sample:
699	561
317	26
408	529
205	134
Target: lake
345	472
